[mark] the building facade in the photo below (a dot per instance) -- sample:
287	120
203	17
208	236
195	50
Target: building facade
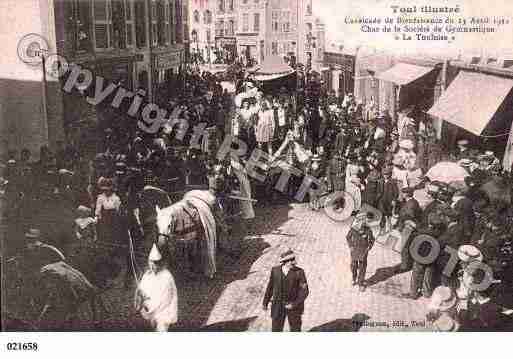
251	30
201	17
294	32
338	70
31	106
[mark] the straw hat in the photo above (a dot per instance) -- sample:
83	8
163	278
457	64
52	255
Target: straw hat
446	324
443	299
33	233
83	210
468	253
105	183
465	162
288	255
406	144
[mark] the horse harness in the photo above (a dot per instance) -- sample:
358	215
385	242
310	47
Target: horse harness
187	226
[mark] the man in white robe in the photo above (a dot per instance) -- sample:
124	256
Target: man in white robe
156	295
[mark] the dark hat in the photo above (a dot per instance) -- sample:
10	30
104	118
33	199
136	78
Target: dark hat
451	213
105	183
408	190
435	219
387	171
496	220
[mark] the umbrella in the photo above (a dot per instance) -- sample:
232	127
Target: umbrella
447	172
497	189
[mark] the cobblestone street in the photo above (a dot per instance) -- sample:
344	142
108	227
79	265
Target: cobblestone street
322	252
232	301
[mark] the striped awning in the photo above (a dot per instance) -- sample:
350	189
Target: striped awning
471	101
403	74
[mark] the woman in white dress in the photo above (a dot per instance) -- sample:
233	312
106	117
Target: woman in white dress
246	120
353	183
264	130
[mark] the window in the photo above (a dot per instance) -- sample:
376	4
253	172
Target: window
231	27
227	28
256	24
309	8
244	1
80	22
194	36
220	28
172	23
245	22
220	5
207	17
129	22
179	22
209	36
196	16
275	20
102	24
230	5
163	20
274	48
286	21
140	24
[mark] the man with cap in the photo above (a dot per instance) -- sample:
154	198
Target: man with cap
462	150
156	296
462	204
360	240
410	210
38	253
387	202
422	274
492	239
490	164
434	189
451	238
288	290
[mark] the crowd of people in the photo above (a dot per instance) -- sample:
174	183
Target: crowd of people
352	147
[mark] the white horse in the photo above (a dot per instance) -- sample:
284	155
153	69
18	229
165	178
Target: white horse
191	219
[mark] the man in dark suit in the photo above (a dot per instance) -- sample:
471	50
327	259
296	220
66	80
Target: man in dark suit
453	237
288	289
388	200
360	241
410	210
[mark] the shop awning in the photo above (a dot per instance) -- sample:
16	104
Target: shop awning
272	65
263	77
472	100
403	74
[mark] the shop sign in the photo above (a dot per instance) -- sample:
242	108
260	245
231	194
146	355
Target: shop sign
168	60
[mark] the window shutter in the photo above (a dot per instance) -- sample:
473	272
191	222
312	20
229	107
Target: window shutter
101	36
100	10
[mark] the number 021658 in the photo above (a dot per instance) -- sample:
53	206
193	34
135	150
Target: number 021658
16	346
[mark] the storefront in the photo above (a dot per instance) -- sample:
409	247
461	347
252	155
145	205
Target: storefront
166	67
338	72
227	49
81	119
478	107
248	49
409	86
